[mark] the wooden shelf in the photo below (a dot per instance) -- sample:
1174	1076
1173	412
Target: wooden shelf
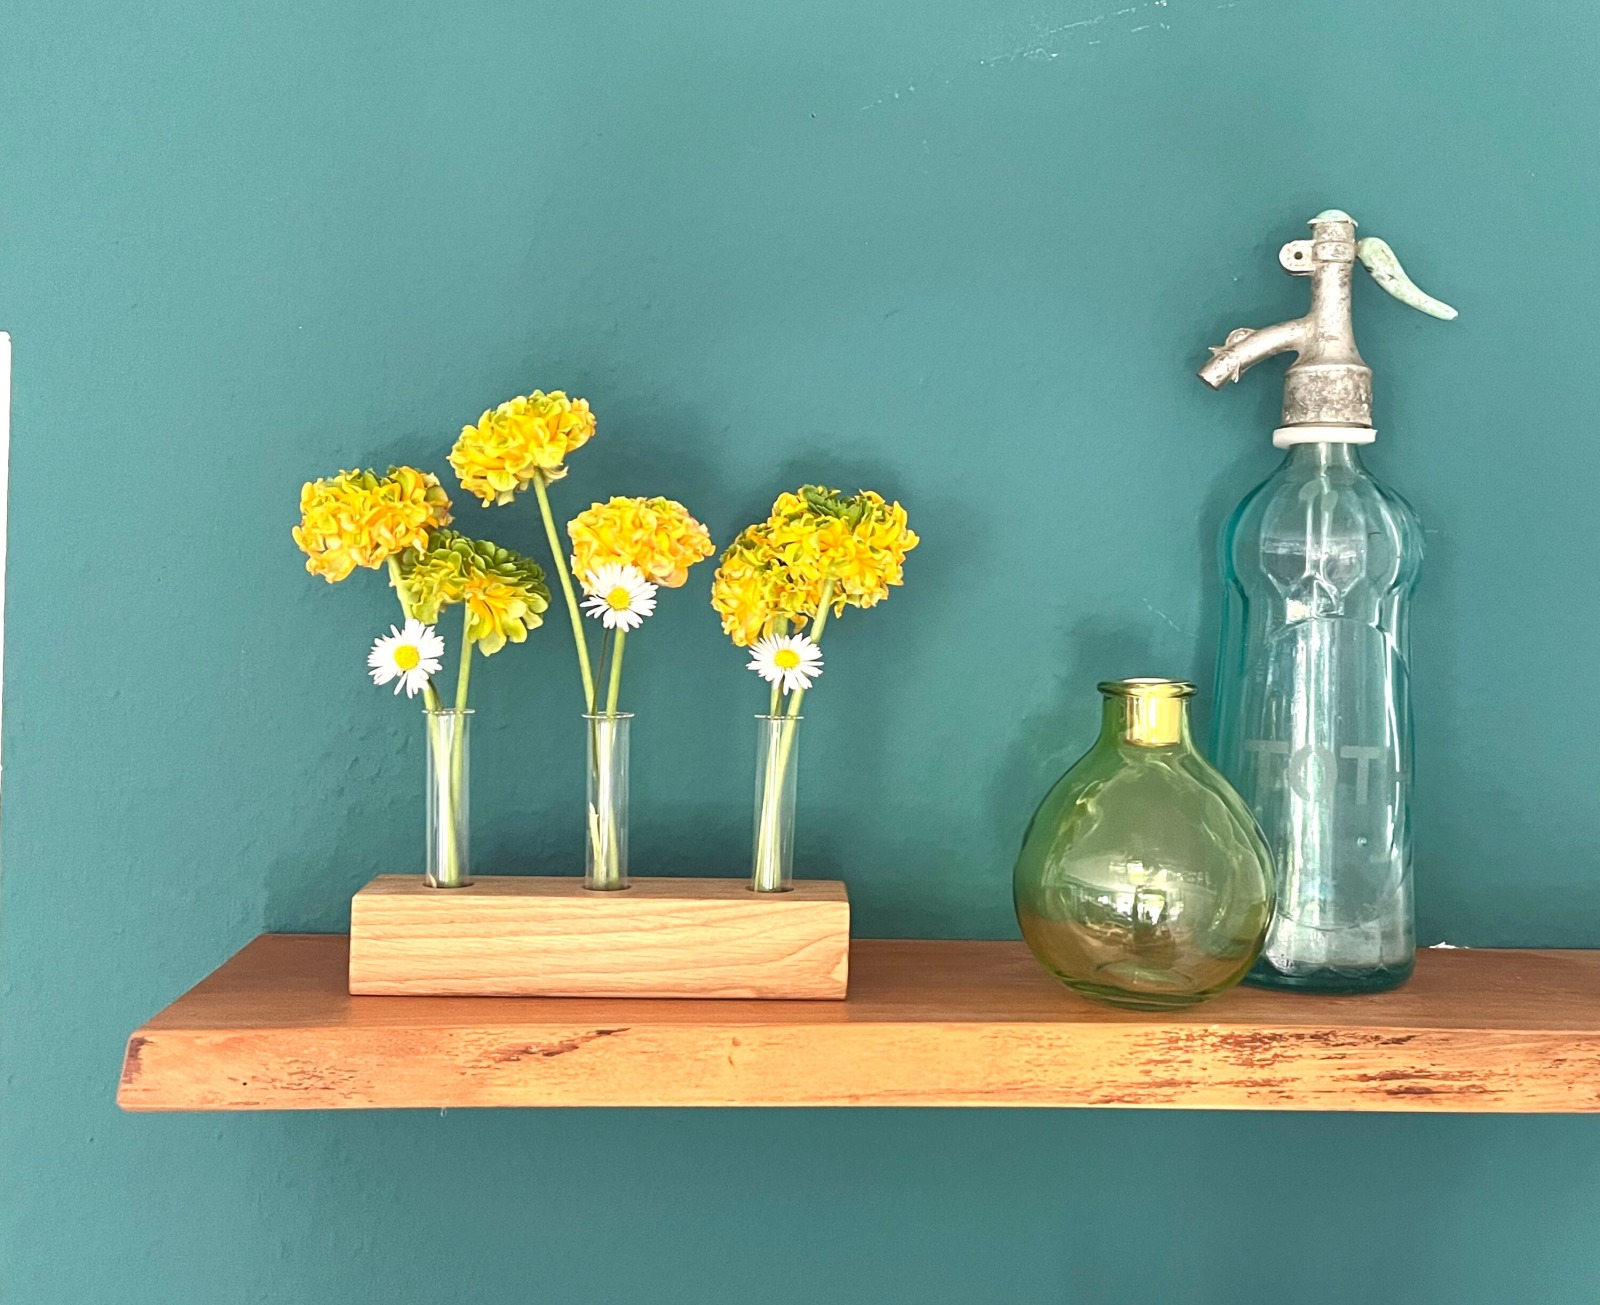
926	1024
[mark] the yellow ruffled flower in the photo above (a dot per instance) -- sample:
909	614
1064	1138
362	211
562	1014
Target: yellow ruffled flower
750	591
775	572
524	437
656	535
865	551
505	593
359	518
860	542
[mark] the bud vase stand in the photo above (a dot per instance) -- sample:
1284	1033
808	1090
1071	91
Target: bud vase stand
535	936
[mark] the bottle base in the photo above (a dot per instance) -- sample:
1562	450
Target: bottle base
1123	999
1330	982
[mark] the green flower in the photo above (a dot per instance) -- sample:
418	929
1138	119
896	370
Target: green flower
505	592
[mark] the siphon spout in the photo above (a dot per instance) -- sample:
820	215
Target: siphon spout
1328	387
1244	348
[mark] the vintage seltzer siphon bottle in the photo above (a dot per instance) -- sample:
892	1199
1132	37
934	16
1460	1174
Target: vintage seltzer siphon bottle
1312	717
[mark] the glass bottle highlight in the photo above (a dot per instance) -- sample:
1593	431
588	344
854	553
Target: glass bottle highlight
1143	881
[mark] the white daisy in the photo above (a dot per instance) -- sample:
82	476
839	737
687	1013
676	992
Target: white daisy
619	595
791	661
406	656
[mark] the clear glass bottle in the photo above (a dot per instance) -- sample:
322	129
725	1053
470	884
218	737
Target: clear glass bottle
777	762
448	734
1313	719
1143	881
606	819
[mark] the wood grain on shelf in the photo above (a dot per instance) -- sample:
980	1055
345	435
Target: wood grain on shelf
926	1024
535	936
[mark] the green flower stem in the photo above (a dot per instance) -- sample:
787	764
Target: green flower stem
605	651
603	856
766	871
464	674
604	867
399	586
559	557
775	702
616	673
456	873
451	872
765	875
817	627
430	696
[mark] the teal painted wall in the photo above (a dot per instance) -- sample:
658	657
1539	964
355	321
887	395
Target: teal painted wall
966	253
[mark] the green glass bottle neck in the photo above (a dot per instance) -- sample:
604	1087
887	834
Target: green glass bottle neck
1145	722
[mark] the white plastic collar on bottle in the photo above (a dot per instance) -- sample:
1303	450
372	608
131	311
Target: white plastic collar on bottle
1288	436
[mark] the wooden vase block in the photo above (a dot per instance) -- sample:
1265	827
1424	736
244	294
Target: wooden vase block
525	936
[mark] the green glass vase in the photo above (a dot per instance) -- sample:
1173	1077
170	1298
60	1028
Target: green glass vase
1143	880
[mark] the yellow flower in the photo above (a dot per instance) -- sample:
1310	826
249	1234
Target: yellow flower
524	437
656	535
860	543
756	590
359	518
505	593
775	572
750	590
867	555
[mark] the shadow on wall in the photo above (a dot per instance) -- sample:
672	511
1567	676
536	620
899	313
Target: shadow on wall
1058	731
1244	472
861	788
1061	729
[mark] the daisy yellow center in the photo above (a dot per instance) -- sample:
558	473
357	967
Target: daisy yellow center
619	599
786	659
406	657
